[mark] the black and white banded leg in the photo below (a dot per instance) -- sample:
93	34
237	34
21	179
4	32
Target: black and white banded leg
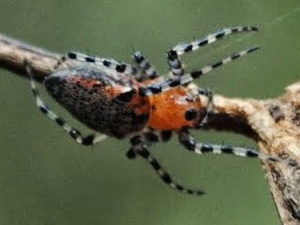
120	67
151	136
138	148
147	70
74	133
189	77
209	108
173	55
188	141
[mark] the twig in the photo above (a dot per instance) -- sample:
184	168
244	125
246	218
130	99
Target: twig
274	123
13	53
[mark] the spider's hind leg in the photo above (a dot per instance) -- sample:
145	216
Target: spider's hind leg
148	72
74	133
113	64
139	147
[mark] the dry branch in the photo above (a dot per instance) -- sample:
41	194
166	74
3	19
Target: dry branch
274	123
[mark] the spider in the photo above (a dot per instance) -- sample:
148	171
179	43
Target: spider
123	101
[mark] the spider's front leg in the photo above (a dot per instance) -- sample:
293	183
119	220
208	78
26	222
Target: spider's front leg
139	147
188	141
209	107
173	54
189	77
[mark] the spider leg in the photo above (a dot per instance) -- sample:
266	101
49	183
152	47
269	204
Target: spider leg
139	148
189	77
147	70
188	141
208	110
173	55
74	133
120	67
152	136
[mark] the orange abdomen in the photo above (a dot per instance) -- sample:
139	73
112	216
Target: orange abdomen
173	110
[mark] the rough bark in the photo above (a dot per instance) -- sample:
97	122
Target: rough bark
273	123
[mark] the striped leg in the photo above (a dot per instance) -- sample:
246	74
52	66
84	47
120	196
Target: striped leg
173	55
120	67
152	136
208	110
189	77
189	143
139	149
147	71
74	133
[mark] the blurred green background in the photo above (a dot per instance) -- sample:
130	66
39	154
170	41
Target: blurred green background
46	178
